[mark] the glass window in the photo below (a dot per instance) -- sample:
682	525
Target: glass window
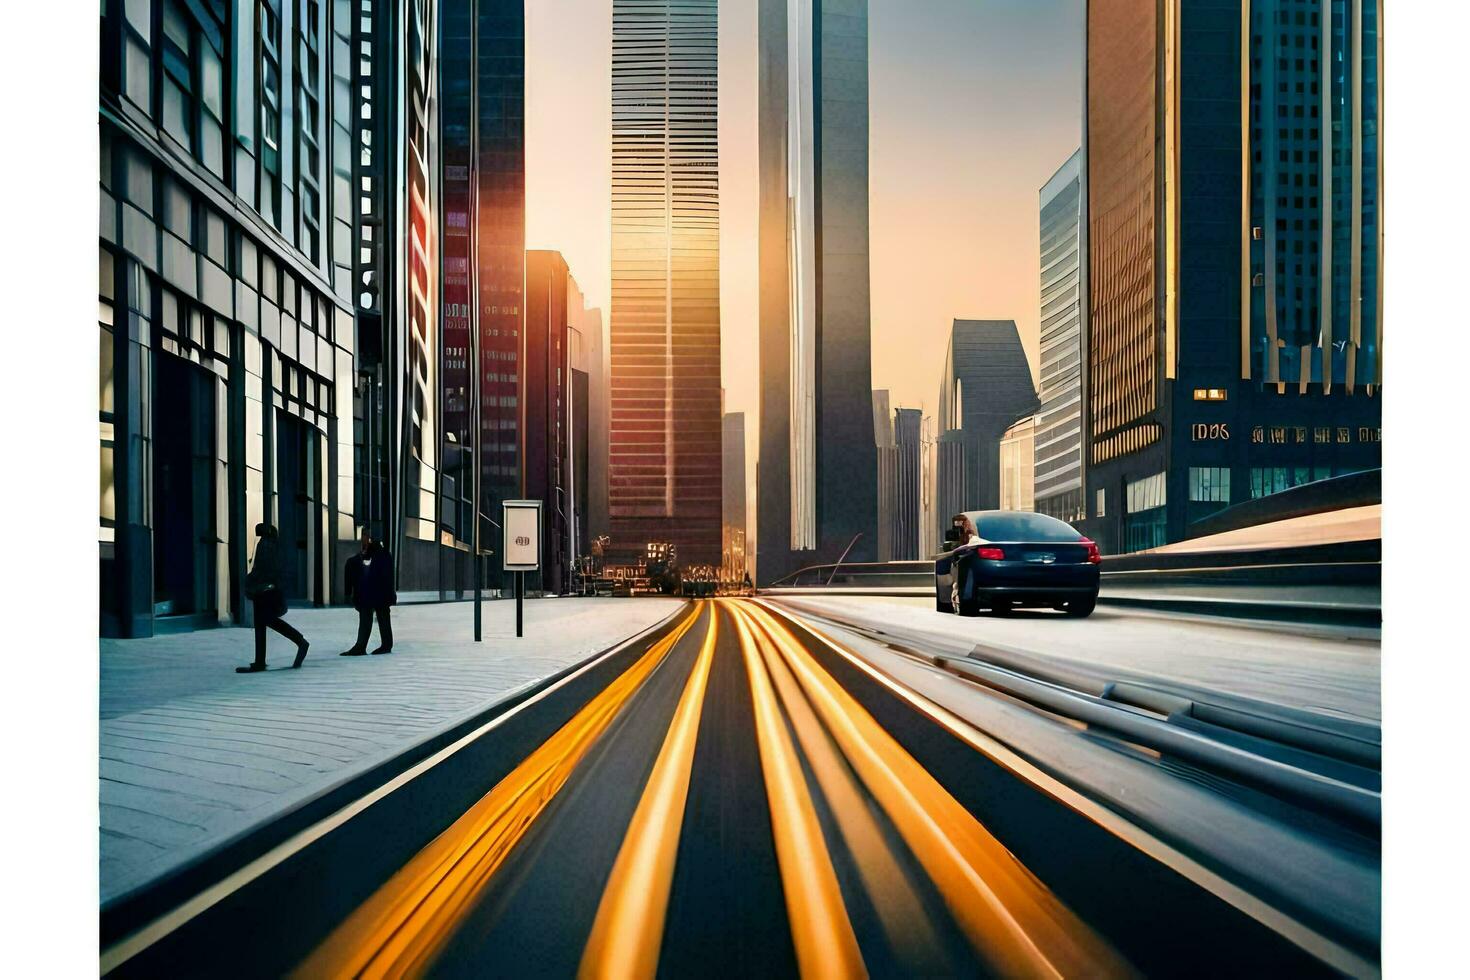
1209	483
106	399
1000	526
178	83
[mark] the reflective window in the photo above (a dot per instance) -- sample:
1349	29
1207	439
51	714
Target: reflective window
1000	526
106	398
1209	483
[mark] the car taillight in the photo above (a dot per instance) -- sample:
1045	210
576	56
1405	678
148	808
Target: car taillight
991	554
1093	555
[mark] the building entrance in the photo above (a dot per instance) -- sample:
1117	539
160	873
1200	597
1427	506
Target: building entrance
185	536
298	468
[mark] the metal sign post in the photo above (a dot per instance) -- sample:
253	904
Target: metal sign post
521	544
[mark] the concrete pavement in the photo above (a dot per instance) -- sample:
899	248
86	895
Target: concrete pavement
1336	673
192	754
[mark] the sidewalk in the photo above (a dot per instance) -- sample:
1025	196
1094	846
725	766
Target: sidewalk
192	753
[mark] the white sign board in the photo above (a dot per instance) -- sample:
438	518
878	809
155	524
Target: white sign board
521	525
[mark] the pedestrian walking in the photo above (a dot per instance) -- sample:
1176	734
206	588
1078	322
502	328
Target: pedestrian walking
263	586
370	589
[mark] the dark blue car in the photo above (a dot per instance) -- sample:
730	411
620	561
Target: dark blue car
1015	559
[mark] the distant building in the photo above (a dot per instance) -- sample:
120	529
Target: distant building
817	493
986	388
1234	254
1058	463
588	337
882	418
904	516
664	468
1018	466
734	563
547	414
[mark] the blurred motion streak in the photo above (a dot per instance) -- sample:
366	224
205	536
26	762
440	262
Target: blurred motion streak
629	927
820	929
399	930
896	902
1013	920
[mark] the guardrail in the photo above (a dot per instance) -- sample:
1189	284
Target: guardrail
1336	583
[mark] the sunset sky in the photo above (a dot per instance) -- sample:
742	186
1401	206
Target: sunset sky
973	104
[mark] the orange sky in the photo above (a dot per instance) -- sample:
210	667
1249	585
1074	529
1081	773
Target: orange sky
972	105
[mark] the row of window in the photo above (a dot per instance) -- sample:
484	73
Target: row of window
173	61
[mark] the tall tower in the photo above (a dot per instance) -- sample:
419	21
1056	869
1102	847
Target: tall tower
817	488
664	451
1232	251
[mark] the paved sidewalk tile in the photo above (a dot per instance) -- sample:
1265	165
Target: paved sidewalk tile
192	753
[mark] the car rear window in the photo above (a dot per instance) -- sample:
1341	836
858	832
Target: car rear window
1024	527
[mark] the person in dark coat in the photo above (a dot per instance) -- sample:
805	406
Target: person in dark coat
370	590
263	586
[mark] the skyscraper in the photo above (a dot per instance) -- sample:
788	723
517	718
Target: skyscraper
547	420
664	467
589	359
482	111
817	492
735	563
1058	461
986	388
1233	253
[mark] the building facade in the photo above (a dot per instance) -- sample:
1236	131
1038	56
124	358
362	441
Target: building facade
547	417
817	492
734	564
227	329
665	438
1233	180
1018	466
1058	460
588	339
903	518
985	388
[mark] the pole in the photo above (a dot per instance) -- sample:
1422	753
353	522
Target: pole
844	556
520	594
476	440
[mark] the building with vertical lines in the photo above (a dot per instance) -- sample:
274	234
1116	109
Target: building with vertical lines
817	488
1058	461
1233	174
665	440
986	388
237	331
899	485
483	180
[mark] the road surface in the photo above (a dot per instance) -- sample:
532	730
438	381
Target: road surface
743	795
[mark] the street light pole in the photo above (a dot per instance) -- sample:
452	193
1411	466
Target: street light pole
476	440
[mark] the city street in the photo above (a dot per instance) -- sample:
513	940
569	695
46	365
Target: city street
765	788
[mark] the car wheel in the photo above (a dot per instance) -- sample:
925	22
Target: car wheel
1082	607
941	606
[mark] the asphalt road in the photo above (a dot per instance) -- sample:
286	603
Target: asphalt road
740	796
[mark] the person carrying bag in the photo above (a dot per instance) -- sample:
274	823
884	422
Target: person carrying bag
262	586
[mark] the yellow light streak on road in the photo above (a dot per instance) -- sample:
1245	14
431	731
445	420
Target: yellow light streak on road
398	931
820	929
629	928
897	904
1010	917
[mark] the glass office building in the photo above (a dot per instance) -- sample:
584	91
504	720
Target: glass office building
665	451
225	310
1232	179
817	493
1058	460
